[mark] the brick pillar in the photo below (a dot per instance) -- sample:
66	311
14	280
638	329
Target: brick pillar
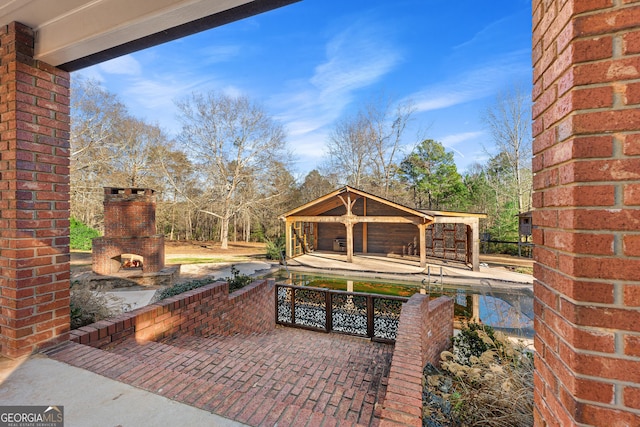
34	197
586	56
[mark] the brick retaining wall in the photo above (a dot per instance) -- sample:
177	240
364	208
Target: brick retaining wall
425	330
208	310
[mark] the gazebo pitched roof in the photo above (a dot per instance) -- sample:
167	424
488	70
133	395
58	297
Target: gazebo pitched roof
332	200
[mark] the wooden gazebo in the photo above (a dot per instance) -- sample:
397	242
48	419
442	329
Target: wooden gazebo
353	221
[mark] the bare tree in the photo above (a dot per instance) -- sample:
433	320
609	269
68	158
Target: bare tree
387	123
179	188
509	121
135	152
314	186
110	147
363	148
234	144
349	149
94	113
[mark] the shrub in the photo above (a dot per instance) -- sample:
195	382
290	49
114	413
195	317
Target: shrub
473	340
235	282
490	387
275	248
89	306
179	288
81	235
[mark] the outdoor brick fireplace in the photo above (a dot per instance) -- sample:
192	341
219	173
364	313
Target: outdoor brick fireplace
129	230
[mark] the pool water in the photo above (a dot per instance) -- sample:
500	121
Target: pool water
506	310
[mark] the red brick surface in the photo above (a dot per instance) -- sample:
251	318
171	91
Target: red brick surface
587	211
425	330
129	228
284	377
204	311
129	212
105	249
34	197
261	374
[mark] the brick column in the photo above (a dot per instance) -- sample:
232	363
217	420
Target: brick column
34	197
586	56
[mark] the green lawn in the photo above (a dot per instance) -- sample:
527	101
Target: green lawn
197	260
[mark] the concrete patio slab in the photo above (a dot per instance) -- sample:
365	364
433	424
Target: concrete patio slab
220	270
92	400
408	269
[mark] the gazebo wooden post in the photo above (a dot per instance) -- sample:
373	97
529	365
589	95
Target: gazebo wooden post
469	230
422	229
365	228
349	225
475	244
349	220
288	241
475	310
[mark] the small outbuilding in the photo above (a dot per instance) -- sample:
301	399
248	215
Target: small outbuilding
353	221
525	232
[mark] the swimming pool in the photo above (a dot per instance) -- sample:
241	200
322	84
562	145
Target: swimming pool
506	310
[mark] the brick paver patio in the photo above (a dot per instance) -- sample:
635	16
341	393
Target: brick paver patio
285	377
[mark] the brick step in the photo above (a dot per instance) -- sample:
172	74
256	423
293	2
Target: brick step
251	379
157	353
134	371
288	394
92	359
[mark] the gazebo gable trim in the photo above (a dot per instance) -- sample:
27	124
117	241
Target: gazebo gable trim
348	189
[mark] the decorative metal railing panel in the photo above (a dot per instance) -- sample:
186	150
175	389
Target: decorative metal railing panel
349	314
309	308
354	313
283	305
386	317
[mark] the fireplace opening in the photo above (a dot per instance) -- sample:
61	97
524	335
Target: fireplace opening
130	262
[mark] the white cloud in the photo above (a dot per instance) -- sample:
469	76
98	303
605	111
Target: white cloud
126	65
463	140
217	54
311	145
90	73
480	67
486	40
153	97
487	36
232	91
457	138
154	94
309	150
355	58
472	85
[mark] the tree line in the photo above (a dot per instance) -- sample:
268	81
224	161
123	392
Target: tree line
228	174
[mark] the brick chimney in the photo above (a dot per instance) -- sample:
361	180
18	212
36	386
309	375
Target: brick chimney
129	228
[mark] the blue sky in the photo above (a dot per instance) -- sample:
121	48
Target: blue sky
316	61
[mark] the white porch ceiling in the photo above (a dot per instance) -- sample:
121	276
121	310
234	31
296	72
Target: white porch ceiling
73	34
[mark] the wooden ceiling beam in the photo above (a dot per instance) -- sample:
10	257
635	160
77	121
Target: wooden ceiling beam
354	219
